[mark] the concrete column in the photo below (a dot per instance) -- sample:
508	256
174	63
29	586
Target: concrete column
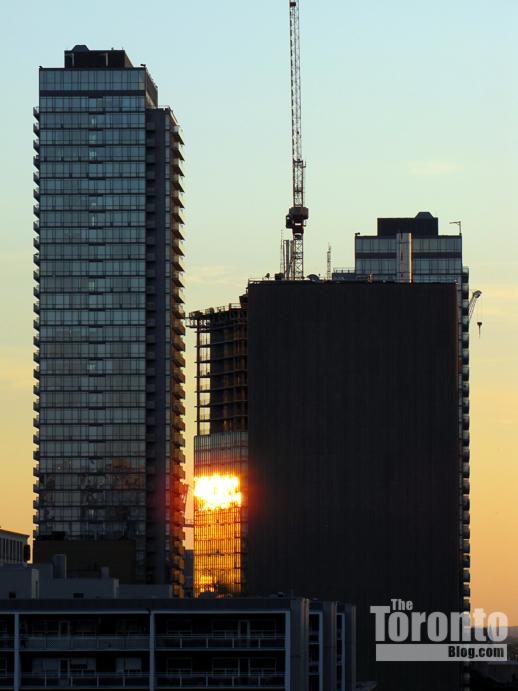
328	645
17	667
287	651
152	670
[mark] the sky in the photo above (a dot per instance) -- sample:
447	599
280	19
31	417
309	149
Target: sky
407	106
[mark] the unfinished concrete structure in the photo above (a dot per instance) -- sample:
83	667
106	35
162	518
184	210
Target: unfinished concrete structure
221	447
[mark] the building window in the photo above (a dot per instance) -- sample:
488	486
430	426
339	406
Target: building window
179	665
225	665
129	665
263	665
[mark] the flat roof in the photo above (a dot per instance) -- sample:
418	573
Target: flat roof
185	605
12	533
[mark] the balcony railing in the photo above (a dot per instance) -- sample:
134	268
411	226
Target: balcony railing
213	681
211	641
54	680
62	643
139	680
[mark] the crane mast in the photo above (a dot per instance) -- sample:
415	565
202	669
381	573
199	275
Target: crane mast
293	250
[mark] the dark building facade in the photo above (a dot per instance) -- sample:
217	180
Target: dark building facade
353	455
109	331
436	258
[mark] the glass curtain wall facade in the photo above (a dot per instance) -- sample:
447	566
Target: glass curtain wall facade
435	259
108	315
221	446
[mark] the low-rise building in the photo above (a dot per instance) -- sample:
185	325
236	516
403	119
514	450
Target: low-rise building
13	547
277	643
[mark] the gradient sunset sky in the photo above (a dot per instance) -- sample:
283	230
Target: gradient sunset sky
408	105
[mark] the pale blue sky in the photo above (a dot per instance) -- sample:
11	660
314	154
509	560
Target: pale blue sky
407	105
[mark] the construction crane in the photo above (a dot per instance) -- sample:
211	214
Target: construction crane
293	250
471	308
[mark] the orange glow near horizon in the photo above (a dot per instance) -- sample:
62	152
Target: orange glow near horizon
217	492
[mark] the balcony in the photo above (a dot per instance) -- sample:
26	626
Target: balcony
36	209
140	680
36	324
54	680
36	128
36	112
6	642
36	243
178	327
36	194
177	215
177	181
218	680
66	643
36	177
36	144
177	168
178	133
36	161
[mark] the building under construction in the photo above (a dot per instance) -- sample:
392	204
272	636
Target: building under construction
221	449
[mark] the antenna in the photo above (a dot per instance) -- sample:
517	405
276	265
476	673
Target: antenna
329	269
457	223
